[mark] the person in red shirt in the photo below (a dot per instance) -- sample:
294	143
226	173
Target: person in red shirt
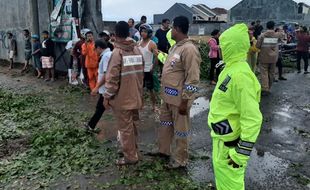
303	40
79	58
91	59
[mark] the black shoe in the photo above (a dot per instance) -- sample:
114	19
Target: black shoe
298	72
282	78
275	80
306	72
265	93
158	154
89	129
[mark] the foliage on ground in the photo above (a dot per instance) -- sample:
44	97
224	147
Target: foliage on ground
152	175
205	65
59	149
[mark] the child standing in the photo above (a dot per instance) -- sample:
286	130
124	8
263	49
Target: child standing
36	54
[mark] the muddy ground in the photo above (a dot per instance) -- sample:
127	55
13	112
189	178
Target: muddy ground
281	159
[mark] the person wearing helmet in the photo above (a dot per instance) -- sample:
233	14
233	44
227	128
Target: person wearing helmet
147	48
91	59
234	118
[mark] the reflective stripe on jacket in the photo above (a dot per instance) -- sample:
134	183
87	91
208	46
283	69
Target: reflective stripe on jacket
181	73
234	108
124	79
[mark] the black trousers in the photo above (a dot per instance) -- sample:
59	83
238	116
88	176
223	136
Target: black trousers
214	61
98	113
280	67
305	57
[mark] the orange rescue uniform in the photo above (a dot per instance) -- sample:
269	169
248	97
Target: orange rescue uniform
91	63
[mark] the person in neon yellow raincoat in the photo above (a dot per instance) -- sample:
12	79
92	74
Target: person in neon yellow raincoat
234	118
163	56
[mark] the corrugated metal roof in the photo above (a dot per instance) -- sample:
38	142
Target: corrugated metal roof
203	9
187	8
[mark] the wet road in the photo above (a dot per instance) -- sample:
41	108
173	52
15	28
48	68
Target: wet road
281	159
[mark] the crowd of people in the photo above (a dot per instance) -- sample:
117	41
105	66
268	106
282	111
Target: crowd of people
266	51
118	66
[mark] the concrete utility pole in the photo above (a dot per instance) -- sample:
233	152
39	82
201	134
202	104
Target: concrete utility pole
92	16
35	17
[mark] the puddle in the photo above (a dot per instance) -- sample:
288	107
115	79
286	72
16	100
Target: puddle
199	105
283	131
284	114
286	108
263	171
306	109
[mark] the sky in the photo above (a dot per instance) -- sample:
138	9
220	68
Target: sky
116	10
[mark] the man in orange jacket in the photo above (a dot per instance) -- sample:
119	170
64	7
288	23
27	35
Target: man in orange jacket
91	59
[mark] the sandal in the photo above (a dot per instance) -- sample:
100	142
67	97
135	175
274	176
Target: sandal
213	82
174	165
159	155
124	162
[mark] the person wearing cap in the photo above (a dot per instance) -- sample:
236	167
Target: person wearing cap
105	36
91	59
36	54
47	56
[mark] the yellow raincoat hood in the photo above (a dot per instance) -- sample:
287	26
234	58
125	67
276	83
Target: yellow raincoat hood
235	44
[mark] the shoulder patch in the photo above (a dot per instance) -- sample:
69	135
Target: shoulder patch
223	86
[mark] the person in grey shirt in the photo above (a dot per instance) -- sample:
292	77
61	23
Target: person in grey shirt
27	50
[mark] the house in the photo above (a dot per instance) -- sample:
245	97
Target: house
265	10
221	13
176	10
196	13
205	13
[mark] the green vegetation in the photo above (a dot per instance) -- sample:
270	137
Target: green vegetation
205	65
56	149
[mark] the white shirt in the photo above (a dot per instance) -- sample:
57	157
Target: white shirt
147	56
103	66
